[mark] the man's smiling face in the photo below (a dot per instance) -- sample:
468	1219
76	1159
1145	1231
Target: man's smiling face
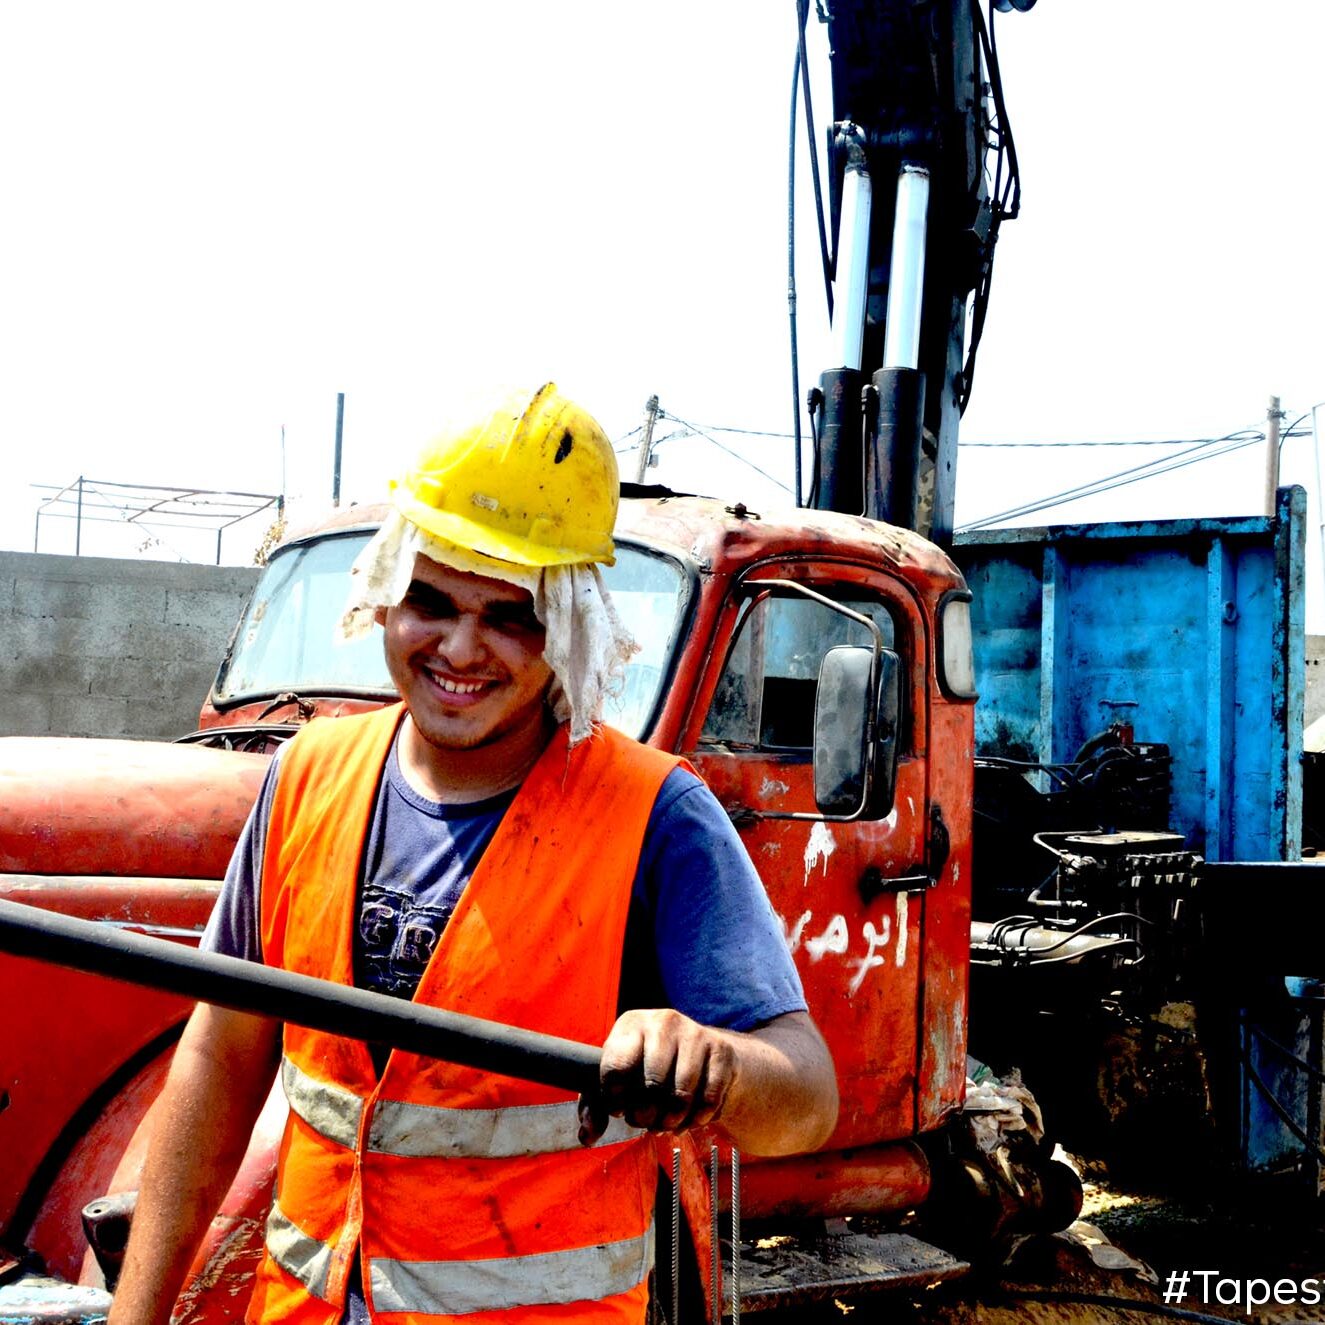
466	654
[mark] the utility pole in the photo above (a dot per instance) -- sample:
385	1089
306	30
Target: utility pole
340	432
1273	415
646	444
1320	489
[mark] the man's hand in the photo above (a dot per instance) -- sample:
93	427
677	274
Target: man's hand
661	1071
773	1089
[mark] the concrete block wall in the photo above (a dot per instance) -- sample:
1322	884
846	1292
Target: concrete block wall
97	646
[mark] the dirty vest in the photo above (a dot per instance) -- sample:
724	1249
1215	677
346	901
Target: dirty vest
465	1193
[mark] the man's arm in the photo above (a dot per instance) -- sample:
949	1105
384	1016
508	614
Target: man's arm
772	1090
736	1046
219	1079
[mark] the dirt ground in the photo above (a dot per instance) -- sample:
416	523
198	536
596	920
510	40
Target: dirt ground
1125	1246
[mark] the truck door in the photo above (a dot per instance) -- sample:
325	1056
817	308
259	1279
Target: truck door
856	935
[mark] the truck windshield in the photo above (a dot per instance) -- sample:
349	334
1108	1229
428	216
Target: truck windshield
287	642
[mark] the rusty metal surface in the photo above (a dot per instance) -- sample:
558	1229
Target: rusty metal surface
338	518
122	807
150	905
73	1036
884	970
786	1271
56	1233
714	536
946	921
261	713
872	1181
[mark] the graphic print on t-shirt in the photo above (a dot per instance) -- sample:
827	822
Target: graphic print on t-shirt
397	938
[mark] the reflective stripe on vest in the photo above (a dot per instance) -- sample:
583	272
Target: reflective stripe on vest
331	1111
424	1131
299	1255
456	1288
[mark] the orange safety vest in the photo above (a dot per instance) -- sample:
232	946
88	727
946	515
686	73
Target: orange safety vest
465	1193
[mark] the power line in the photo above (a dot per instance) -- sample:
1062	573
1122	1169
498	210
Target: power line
618	449
736	455
1218	446
1196	449
1154	441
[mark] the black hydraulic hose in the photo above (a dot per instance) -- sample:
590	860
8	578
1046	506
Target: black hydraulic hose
1116	1303
791	281
803	63
357	1014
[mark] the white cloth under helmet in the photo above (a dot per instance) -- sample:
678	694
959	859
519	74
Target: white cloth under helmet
586	648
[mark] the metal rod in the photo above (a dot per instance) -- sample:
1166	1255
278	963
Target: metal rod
101	485
736	1236
906	282
715	1241
676	1235
357	1014
340	433
78	527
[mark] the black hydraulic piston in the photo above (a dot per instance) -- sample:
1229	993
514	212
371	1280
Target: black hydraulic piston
357	1014
839	453
893	466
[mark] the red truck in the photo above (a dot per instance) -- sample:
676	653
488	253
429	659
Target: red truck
735	613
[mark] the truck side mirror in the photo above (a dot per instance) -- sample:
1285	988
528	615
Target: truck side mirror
855	732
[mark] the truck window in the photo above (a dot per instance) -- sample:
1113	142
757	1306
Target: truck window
765	696
287	639
650	593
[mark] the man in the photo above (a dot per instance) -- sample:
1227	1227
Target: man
486	847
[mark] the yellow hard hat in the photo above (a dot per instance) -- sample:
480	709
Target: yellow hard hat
533	481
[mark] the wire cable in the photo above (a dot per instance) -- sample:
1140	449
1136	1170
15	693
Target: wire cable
1208	449
1288	432
828	262
1134	474
1116	1303
736	455
1149	441
1005	197
618	449
803	12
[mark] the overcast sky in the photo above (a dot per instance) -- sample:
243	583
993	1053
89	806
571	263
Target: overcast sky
217	218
